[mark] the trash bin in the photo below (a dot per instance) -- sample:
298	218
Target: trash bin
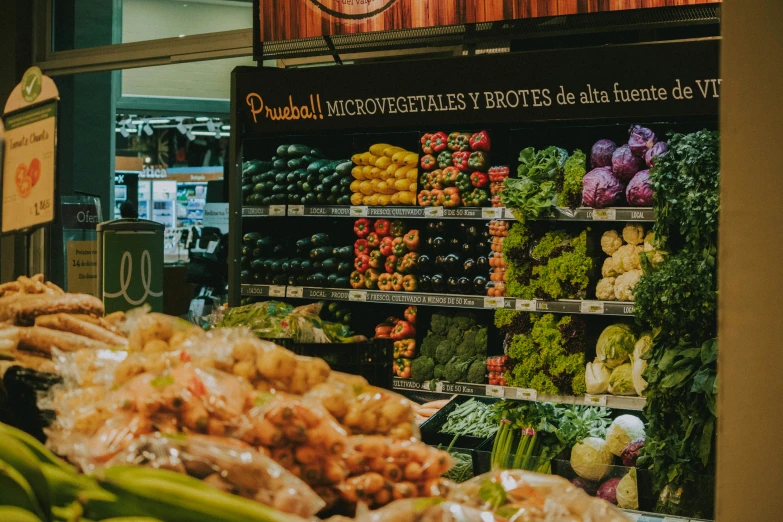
130	264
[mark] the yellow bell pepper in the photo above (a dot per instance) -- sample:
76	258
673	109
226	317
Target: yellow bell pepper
412	175
407	198
412	187
374	184
366	171
357	158
365	157
374	199
375	173
399	157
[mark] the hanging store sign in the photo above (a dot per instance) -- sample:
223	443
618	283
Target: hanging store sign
296	19
80	218
29	153
514	88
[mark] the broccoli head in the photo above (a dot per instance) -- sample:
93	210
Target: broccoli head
445	351
439	370
480	341
467	348
456	370
430	343
477	372
440	324
422	369
463	322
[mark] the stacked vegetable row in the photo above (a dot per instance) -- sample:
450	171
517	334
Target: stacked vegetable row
403	331
314	262
385	175
619	364
455	265
297	174
497	273
386	256
454	169
622	270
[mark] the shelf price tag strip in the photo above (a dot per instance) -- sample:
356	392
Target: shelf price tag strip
595	400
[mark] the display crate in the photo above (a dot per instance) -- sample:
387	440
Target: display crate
430	429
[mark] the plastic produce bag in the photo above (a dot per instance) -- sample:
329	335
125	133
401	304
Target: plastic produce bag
276	320
227	464
512	494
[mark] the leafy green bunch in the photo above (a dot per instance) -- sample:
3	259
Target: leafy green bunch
534	190
454	349
549	357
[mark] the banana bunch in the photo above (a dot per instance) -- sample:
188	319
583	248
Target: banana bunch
36	486
384	175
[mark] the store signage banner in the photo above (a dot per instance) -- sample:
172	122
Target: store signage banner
80	218
295	19
609	83
132	271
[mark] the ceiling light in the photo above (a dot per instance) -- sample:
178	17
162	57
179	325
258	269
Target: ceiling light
148	130
159	122
137	122
147	159
226	127
182	36
202	133
202	118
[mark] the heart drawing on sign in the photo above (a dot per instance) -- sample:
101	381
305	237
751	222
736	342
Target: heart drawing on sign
24	184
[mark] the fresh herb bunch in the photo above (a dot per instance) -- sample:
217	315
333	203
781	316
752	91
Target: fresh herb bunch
547	360
685	181
533	192
471	418
562	267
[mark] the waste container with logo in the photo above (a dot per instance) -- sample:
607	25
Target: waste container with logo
130	264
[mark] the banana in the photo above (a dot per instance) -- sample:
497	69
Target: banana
16	491
16	455
175	497
16	514
66	488
38	449
131	519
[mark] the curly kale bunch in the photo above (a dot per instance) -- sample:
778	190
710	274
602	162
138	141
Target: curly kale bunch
562	267
548	359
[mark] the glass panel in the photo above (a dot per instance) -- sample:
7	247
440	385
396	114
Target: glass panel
80	24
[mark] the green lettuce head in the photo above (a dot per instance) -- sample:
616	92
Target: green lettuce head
621	380
615	345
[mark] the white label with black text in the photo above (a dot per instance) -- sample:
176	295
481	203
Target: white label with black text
294	291
494	302
495	391
526	394
591	307
357	295
604	214
433	211
526	305
595	400
277	210
360	211
296	210
276	291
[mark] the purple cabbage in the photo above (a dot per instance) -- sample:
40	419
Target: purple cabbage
639	192
640	140
608	490
631	452
659	149
601	153
588	486
625	164
600	189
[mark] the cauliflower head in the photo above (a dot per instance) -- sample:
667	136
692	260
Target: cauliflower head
626	258
624	284
633	234
610	242
608	269
604	290
649	241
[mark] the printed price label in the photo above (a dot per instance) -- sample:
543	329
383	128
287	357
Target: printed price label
591	307
277	291
357	295
494	302
604	214
525	305
526	394
433	211
595	400
495	391
492	213
296	210
277	210
294	291
360	211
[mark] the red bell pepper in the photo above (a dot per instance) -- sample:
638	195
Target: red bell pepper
397	228
385	284
459	141
439	179
383	331
403	330
357	279
424	198
460	160
361	263
434	142
451	197
397	286
399	264
429	162
405	348
498	173
390	264
403	366
426	143
371	279
411	240
436	197
410	283
382	227
450	175
398	247
480	141
410	314
376	259
362	227
373	240
360	247
479	179
408	262
386	246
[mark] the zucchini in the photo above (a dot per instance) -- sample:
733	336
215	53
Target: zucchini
313	167
247	190
250	238
344	168
317	279
296	265
329	265
320	253
291	280
245	277
317	266
331	279
306	266
331	199
303	245
264	165
280	164
301	280
257	265
342	282
282	151
345	252
279	279
298	151
328	168
319	240
295	163
344	268
316	152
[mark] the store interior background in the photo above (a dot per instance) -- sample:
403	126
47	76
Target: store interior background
749	459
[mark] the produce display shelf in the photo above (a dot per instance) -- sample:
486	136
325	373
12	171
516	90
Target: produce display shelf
643	516
522	394
478	213
564	306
